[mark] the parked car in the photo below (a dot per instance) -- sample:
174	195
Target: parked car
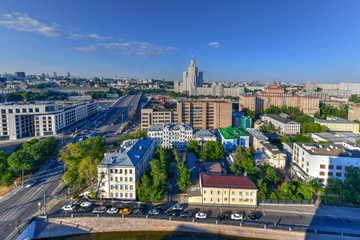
173	213
100	203
112	210
185	214
125	211
236	216
83	210
255	215
154	212
160	207
68	207
85	204
178	207
30	184
223	217
101	209
200	215
139	212
140	206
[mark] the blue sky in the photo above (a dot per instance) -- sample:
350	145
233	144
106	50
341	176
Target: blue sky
248	40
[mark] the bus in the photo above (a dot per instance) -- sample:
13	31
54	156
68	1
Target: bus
92	134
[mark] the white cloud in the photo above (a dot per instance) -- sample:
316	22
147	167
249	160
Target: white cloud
88	49
97	36
142	49
75	36
22	22
215	44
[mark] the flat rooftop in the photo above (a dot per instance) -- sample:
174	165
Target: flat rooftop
335	120
278	118
329	149
232	132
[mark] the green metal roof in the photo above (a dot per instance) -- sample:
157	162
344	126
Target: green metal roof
232	133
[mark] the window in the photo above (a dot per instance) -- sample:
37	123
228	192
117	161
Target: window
111	178
247	193
130	171
218	199
338	167
116	179
330	174
225	199
115	170
30	110
10	111
219	192
131	187
204	191
338	174
322	165
125	179
37	110
130	179
24	110
17	110
120	179
233	200
111	171
211	192
120	170
125	171
322	173
204	199
233	193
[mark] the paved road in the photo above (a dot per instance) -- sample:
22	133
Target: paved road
24	203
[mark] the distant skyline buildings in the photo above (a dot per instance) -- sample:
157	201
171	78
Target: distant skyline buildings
246	41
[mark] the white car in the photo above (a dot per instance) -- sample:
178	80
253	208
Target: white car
178	207
236	216
200	215
85	204
154	212
30	184
69	207
112	210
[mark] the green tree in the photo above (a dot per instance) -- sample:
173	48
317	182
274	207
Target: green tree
21	160
158	174
271	175
3	163
243	161
271	128
263	128
144	188
212	151
183	177
7	179
285	139
194	147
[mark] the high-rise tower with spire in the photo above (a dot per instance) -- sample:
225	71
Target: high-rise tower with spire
192	79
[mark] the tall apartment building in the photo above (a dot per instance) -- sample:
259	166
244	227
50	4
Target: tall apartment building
311	86
276	96
119	171
354	112
171	135
41	119
322	161
338	124
157	110
204	114
282	124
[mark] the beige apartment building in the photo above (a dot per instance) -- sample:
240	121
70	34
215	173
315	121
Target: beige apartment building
204	114
276	96
354	112
156	111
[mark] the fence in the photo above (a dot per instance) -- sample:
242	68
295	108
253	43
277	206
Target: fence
246	223
287	202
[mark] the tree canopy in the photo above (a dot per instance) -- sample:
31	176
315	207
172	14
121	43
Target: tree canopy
212	151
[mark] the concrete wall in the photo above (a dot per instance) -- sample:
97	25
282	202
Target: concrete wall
110	224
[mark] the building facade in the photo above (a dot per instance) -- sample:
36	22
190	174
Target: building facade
338	124
311	86
220	190
193	84
276	96
119	171
157	110
354	112
255	138
204	114
171	135
323	160
203	135
271	155
231	137
41	119
282	124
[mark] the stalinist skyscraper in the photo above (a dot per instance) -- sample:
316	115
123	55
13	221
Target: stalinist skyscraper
192	84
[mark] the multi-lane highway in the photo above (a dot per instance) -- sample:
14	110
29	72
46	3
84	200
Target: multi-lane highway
23	203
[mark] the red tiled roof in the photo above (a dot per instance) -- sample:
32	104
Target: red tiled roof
216	181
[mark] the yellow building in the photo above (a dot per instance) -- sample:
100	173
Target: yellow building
338	124
223	190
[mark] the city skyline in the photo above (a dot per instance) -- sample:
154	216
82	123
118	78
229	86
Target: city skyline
247	41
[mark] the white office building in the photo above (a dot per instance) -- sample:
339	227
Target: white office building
171	135
41	119
119	171
282	124
323	160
